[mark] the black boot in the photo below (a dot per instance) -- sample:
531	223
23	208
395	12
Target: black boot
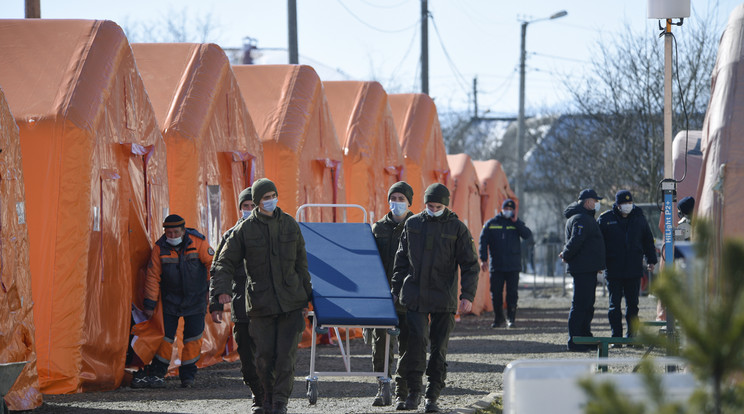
413	400
498	318
280	407
511	314
430	406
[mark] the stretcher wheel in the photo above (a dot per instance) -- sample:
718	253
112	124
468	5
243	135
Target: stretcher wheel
387	397
312	391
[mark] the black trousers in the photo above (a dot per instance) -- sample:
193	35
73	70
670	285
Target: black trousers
498	279
582	306
247	354
630	288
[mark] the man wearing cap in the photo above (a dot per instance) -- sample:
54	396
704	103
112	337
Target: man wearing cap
177	275
271	247
627	239
685	208
584	252
432	245
239	316
387	233
500	236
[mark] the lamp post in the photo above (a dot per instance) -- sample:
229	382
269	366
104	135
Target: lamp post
518	181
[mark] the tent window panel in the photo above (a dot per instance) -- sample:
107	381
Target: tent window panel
214	222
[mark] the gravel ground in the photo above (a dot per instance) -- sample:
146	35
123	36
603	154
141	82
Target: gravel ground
477	358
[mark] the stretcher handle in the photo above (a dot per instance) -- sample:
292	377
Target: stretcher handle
300	216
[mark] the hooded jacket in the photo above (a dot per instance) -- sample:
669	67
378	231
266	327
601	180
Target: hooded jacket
425	270
387	237
273	251
627	240
584	250
501	236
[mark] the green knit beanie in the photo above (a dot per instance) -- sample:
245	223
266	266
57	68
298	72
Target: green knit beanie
403	188
261	187
244	196
437	193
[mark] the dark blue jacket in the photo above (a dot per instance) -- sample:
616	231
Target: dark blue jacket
500	236
627	240
584	250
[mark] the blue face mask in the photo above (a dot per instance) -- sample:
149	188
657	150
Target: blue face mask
434	214
398	208
270	205
507	213
246	213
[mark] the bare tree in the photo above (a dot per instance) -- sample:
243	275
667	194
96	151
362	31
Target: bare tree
615	138
173	26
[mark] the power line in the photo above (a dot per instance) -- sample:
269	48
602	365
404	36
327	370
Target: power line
357	18
377	6
458	76
405	55
558	57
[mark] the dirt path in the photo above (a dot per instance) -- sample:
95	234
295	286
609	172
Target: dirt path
477	358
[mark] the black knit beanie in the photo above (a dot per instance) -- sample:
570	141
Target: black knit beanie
437	193
403	188
261	187
174	220
244	196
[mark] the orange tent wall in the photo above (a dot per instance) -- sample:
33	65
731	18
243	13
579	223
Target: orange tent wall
212	147
366	132
421	142
719	195
465	200
85	123
16	303
301	152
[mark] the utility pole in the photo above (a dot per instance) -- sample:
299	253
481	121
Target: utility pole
475	97
520	116
424	47
292	26
33	9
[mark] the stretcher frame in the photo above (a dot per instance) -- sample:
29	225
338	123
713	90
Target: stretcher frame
311	381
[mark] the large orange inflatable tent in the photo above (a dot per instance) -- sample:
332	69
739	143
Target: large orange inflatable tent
366	132
89	140
720	195
213	154
301	152
494	189
465	201
16	314
421	142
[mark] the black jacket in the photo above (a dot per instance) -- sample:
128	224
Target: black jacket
584	250
627	240
425	271
237	312
387	236
500	236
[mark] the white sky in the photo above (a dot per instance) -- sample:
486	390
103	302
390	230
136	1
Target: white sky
480	36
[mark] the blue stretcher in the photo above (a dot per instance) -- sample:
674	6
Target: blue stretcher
350	290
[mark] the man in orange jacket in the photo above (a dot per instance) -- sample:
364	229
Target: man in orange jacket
177	274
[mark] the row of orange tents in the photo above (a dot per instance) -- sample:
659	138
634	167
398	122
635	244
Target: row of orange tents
102	139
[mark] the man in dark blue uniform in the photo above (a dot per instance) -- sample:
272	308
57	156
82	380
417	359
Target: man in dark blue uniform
500	236
585	254
627	239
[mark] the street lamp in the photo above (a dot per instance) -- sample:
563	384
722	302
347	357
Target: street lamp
518	182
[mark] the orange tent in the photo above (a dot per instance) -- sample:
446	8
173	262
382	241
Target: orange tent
421	141
301	151
213	153
719	196
16	315
366	132
93	177
465	200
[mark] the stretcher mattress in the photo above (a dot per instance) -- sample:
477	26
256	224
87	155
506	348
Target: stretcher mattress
349	283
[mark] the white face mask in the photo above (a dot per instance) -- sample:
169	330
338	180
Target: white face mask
246	213
270	205
174	242
398	208
434	214
626	208
597	206
507	213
